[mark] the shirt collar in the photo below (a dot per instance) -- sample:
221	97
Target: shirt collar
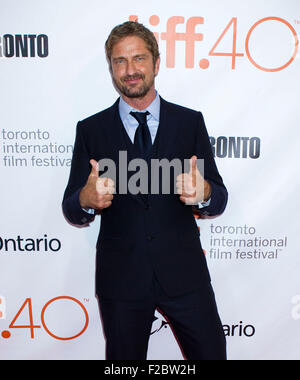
153	108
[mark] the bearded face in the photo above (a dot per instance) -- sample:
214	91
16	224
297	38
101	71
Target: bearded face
133	70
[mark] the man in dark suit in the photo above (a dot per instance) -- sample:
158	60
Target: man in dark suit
149	253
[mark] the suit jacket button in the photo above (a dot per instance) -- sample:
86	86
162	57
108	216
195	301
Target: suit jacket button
150	237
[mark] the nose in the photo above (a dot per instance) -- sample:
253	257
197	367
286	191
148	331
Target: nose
131	69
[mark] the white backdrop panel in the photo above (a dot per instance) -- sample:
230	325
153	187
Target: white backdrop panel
47	267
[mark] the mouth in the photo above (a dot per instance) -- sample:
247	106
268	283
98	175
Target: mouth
131	81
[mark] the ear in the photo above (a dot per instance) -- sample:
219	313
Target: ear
157	65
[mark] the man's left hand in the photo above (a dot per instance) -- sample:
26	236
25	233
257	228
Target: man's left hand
191	186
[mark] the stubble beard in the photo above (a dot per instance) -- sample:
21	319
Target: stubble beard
132	92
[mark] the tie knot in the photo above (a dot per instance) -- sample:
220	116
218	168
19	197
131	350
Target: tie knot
141	117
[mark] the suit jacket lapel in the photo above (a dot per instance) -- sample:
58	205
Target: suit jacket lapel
116	133
167	134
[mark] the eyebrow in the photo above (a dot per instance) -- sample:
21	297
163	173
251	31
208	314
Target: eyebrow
141	55
135	56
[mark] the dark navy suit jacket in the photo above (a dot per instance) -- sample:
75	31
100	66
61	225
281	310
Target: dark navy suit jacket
139	238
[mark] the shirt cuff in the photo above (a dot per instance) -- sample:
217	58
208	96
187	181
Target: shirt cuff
90	211
204	204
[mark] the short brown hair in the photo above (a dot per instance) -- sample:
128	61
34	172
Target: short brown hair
132	28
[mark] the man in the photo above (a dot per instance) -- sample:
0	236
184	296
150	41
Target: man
149	253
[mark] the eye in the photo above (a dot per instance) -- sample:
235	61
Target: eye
119	61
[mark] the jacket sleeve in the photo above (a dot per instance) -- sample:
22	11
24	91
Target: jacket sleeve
219	194
80	170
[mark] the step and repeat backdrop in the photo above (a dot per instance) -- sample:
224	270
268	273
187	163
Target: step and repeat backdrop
235	61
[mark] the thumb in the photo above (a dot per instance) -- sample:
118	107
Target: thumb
95	168
193	168
193	165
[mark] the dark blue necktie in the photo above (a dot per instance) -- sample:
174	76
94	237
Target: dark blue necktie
142	138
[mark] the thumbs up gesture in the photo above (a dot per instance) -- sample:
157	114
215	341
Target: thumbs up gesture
98	192
191	186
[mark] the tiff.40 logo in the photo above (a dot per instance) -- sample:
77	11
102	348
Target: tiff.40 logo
190	37
28	317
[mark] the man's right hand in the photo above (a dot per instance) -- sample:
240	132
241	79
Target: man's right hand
98	192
